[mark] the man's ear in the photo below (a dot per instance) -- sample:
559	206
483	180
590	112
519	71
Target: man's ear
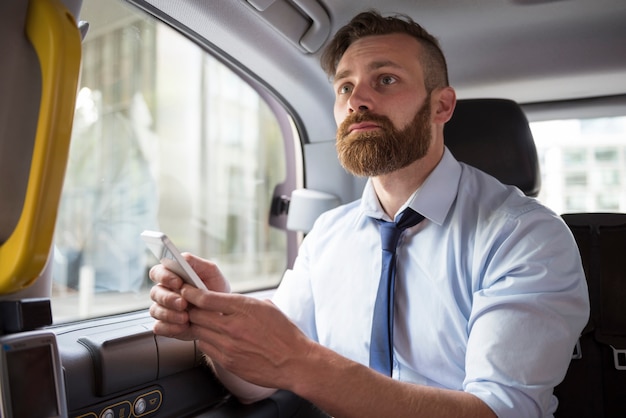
444	103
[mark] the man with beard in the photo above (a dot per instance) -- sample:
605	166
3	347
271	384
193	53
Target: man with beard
490	295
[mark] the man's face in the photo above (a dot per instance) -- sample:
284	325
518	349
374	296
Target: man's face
381	107
384	150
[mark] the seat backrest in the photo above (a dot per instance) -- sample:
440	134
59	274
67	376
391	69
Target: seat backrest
595	384
493	135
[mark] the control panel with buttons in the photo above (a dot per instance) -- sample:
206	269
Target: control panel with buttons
138	404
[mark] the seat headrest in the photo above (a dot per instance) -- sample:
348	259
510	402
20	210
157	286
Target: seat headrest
493	135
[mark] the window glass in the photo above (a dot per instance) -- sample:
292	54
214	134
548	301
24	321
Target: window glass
583	164
166	138
606	155
573	157
608	177
607	202
575	179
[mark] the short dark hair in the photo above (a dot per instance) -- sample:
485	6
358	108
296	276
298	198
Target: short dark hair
370	23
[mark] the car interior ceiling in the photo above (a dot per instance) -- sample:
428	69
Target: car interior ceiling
472	34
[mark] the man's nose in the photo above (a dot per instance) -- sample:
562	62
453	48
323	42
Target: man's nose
361	99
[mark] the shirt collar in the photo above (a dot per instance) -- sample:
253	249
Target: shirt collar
433	199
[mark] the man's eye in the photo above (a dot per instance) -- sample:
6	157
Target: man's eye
386	80
345	89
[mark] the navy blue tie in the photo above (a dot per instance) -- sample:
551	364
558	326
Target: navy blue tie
381	343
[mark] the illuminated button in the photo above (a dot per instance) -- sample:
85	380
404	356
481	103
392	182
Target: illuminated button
119	410
140	406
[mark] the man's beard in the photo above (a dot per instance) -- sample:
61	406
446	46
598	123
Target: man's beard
387	149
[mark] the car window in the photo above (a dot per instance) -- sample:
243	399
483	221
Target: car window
583	164
166	137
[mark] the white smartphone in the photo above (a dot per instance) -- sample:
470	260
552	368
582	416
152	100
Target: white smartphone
166	252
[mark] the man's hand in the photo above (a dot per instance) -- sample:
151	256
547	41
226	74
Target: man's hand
248	337
175	314
169	308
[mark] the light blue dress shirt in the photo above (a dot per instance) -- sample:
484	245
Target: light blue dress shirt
490	290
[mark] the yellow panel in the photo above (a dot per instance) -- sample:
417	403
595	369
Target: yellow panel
54	34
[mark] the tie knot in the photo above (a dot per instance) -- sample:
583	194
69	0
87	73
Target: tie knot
409	218
390	231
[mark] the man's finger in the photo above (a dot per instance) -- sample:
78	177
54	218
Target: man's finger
209	273
161	313
167	298
161	275
225	303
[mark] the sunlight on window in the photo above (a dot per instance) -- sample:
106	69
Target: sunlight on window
583	164
165	138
